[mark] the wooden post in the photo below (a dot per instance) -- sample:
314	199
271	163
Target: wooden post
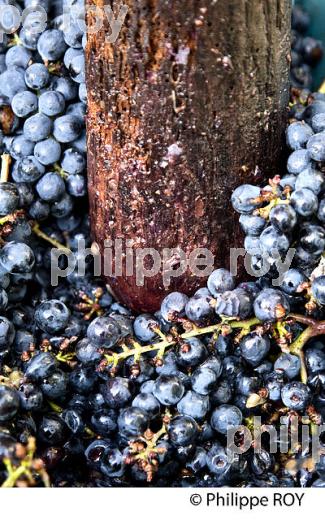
188	103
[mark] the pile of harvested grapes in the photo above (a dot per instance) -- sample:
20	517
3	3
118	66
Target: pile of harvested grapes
91	395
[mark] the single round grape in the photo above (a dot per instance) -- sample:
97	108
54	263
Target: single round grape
298	135
82	380
305	260
28	37
220	281
52	316
298	161
77	68
148	403
17	257
318	123
65	86
18	56
312	239
314	108
247	384
52	430
39	210
117	392
283	218
37	76
312	50
173	306
292	280
168	390
20	147
223	393
289	364
55	385
62	207
112	464
76	185
225	417
37	127
24	103
67	128
31	398
77	110
133	421
51	103
198	308
194	405
95	452
50	187
316	147
295	396
245	198
274	241
271	305
144	326
305	202
191	353
51	45
87	353
69	54
204	380
252	225
218	460
73	421
73	35
254	348
103	332
48	151
182	430
28	169
104	421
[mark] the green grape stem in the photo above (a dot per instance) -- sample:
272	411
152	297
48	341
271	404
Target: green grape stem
14	474
314	328
145	450
36	229
266	210
137	350
26	468
5	164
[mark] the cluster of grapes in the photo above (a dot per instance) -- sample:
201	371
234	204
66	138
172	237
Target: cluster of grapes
289	213
93	396
306	51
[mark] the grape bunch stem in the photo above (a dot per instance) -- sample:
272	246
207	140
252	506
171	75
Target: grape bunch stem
168	341
227	326
26	469
5	165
